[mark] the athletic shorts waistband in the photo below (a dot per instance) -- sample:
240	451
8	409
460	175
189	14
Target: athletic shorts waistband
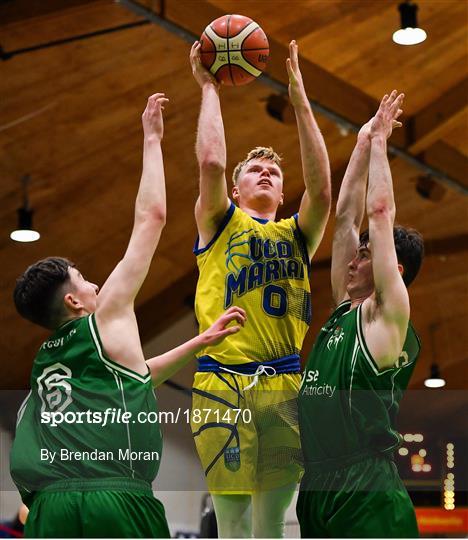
98	484
343	462
286	364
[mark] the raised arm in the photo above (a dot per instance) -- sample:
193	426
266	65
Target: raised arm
119	291
349	214
213	200
115	314
350	210
387	311
315	205
162	367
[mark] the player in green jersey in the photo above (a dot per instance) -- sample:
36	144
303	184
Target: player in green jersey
88	443
362	359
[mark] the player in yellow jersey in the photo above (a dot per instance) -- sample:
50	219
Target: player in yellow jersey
244	417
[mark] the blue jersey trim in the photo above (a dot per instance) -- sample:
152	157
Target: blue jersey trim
221	228
286	364
302	243
260	220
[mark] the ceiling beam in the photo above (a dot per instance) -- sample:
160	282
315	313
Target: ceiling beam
7	55
19	10
446	158
448	245
435	120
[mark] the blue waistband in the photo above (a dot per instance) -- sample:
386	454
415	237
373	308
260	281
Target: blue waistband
287	364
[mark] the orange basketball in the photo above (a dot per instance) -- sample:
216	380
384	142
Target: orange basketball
235	49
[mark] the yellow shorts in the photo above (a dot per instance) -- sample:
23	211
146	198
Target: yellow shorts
247	439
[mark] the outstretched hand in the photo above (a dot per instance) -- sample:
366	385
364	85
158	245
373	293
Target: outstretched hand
219	330
365	131
386	118
152	118
296	90
199	71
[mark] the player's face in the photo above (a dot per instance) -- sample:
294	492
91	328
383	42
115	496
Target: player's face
260	180
84	291
360	276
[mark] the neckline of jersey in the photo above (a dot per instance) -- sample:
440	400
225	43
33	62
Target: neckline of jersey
63	325
260	220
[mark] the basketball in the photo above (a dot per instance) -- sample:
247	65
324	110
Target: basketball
234	49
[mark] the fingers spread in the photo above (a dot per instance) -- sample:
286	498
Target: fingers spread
392	103
390	99
397	104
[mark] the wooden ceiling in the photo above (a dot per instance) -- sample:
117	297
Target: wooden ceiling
70	118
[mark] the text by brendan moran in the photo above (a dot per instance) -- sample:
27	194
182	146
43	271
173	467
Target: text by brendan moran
122	454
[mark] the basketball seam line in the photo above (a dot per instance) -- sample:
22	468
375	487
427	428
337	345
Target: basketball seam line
241	50
237	50
228	55
228	37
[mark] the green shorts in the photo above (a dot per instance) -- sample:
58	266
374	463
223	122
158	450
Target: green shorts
112	508
366	499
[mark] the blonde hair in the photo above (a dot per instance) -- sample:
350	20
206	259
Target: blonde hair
259	152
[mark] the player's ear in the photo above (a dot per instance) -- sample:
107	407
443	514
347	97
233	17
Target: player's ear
235	193
400	269
72	302
281	201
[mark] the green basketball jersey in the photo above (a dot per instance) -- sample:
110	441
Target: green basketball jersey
346	404
85	417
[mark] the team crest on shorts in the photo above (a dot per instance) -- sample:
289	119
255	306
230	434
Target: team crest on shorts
232	458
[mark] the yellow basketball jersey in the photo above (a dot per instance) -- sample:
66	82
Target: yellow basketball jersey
261	266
